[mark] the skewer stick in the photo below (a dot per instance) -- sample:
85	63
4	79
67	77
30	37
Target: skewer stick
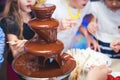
14	41
80	68
11	42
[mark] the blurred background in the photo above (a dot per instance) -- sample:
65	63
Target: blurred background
2	4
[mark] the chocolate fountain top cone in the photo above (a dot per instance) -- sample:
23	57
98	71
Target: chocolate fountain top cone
43	11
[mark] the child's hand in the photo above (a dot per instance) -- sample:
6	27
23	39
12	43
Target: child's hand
92	27
115	45
92	43
98	73
17	46
67	23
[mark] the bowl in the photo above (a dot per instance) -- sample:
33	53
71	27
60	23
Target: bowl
43	11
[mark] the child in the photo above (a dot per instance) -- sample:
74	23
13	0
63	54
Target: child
115	45
15	18
70	14
107	13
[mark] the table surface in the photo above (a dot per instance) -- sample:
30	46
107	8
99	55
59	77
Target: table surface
115	66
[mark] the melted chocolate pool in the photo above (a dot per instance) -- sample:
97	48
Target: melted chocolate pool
30	65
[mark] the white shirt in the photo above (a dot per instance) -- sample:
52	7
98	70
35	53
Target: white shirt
108	22
67	36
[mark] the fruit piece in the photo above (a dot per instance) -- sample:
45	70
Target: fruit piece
110	77
117	78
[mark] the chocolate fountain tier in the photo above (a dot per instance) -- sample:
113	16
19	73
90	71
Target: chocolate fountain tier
44	11
43	24
42	49
46	29
28	65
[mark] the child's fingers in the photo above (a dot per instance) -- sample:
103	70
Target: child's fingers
71	21
116	49
20	43
90	30
12	42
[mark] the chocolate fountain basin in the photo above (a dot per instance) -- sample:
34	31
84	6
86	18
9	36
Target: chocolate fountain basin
28	66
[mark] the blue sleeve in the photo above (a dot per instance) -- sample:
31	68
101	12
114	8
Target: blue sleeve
2	44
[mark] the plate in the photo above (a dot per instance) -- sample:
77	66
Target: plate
88	58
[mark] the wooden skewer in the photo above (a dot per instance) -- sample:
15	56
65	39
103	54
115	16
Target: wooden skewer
11	42
80	68
77	71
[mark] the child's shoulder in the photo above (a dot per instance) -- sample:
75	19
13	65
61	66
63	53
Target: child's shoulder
8	23
7	19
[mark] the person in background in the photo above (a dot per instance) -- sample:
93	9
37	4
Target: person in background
16	15
106	13
115	45
70	14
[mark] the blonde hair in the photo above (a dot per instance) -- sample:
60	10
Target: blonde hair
12	8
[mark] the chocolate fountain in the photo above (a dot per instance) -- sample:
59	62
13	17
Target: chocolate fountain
43	57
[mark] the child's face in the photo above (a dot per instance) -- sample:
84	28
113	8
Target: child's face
113	4
79	3
25	5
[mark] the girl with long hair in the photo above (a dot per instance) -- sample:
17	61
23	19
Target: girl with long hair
16	15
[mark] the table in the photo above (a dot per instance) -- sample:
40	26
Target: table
115	66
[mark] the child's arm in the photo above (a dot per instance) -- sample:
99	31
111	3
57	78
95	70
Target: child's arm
92	43
2	44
